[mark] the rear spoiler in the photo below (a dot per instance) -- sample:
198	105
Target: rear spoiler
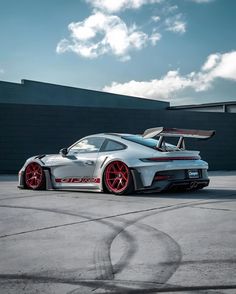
173	132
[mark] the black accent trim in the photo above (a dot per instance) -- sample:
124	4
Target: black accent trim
103	161
174	185
21	181
39	158
188	183
47	173
138	183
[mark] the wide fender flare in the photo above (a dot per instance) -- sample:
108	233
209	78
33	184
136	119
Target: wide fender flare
138	184
46	170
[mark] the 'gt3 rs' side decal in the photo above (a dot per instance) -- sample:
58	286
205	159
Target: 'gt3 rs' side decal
77	180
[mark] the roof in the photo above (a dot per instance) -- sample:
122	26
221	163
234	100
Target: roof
40	93
203	105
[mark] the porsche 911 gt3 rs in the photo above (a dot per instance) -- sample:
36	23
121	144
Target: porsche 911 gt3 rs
121	164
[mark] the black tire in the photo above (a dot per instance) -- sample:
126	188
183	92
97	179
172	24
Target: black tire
34	177
118	179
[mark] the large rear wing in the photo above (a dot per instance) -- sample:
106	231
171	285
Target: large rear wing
173	132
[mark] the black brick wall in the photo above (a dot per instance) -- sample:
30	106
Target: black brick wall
28	130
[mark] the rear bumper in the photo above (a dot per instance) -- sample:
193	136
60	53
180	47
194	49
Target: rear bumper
176	186
173	180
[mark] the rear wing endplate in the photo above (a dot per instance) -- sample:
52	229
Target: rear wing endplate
181	133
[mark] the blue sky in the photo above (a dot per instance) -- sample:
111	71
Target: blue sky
182	51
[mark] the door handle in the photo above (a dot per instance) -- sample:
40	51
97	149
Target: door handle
89	162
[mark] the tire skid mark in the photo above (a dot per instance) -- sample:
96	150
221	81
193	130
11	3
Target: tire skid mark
104	267
164	269
214	208
58	211
115	287
31	196
203	261
105	245
71	223
160	209
102	258
129	223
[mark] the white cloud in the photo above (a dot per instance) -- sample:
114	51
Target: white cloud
2	71
155	37
103	32
175	24
202	1
100	34
114	6
211	62
172	8
224	66
156	18
154	89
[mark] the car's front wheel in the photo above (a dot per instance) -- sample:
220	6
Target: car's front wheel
118	178
34	176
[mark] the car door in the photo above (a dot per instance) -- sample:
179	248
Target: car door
79	164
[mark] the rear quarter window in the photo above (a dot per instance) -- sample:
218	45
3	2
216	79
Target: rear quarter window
111	145
152	143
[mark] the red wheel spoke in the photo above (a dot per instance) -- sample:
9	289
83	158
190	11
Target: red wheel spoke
124	177
120	166
120	184
117	176
114	182
33	175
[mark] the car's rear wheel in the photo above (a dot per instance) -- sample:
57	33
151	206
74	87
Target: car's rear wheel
34	176
118	178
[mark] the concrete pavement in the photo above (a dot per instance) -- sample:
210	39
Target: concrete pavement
76	242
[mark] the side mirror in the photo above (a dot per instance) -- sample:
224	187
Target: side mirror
63	151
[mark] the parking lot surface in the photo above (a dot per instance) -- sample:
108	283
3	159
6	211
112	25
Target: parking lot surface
76	242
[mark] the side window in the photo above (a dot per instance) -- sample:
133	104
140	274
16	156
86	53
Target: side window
87	145
111	145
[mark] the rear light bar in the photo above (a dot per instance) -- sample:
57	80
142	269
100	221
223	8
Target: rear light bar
162	177
163	159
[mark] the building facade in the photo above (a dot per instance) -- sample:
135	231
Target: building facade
40	118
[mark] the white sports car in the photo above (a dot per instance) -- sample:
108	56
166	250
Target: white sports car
121	164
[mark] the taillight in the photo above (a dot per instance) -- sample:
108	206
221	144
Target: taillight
162	177
163	159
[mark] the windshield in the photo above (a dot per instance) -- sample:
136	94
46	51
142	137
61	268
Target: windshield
149	142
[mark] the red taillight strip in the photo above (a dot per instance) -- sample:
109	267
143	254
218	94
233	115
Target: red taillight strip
161	177
172	158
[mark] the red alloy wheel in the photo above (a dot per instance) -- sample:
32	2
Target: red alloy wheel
34	176
117	177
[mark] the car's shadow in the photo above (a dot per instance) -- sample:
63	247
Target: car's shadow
199	194
187	195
